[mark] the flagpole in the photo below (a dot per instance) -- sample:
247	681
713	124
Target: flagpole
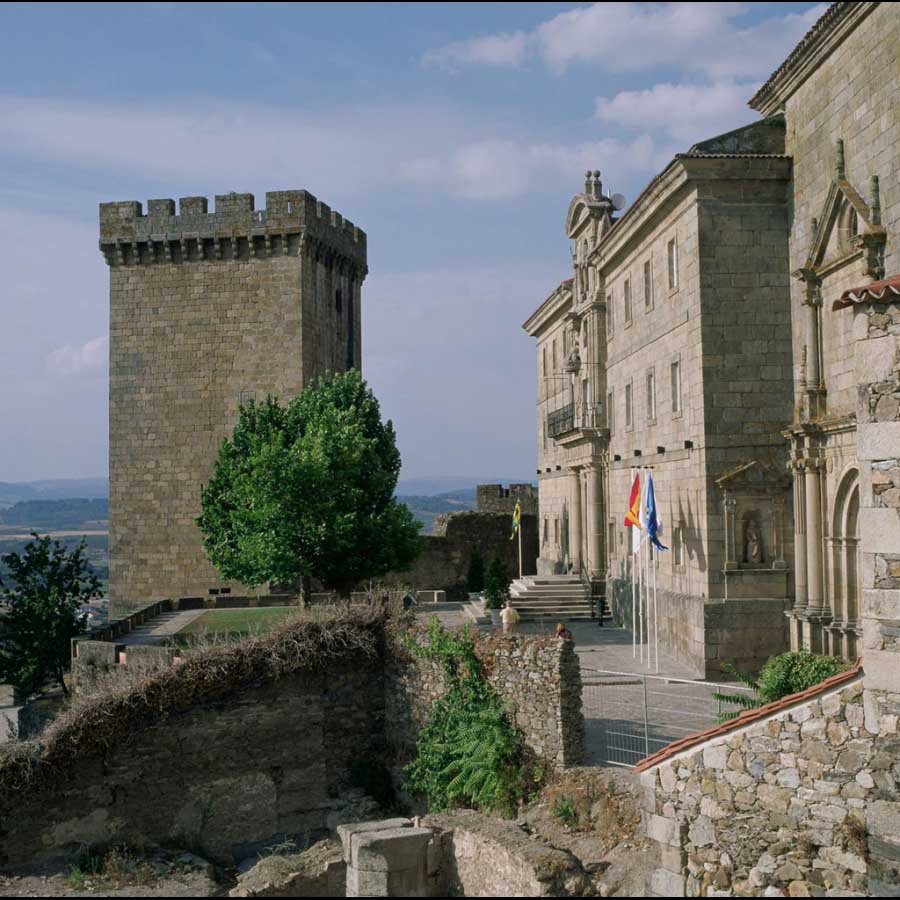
519	529
655	621
641	576
633	586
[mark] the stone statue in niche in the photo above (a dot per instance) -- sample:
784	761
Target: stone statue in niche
753	552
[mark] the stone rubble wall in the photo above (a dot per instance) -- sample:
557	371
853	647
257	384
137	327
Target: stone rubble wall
495	498
486	857
804	803
444	564
228	778
537	678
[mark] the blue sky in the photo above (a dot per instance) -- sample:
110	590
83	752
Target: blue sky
454	134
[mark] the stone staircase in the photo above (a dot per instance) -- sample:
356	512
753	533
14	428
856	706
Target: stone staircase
542	597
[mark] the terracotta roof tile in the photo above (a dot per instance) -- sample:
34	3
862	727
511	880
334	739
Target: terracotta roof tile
746	718
886	289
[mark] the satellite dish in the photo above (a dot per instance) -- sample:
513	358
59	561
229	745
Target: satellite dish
618	200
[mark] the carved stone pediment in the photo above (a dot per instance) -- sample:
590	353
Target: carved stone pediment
753	477
848	230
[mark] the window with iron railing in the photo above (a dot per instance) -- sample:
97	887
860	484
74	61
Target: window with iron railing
561	420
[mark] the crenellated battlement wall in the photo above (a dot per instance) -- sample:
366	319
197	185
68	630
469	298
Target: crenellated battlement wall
292	221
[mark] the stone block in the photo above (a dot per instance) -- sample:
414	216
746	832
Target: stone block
877	440
881	669
880	529
663	883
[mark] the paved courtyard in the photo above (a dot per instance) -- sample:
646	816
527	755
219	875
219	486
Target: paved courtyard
631	710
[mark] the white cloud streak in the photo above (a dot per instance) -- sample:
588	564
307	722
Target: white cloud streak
706	38
79	359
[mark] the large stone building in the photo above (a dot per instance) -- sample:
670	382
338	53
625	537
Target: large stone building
839	94
208	310
698	333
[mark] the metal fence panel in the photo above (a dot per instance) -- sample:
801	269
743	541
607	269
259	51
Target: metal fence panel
629	716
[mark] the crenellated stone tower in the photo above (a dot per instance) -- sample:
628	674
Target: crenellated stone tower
209	309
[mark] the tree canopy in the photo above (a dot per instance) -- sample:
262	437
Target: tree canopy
45	591
306	489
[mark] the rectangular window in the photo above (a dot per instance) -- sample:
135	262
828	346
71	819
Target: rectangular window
651	396
673	264
611	538
629	421
553	356
556	531
648	284
546	530
610	320
677	547
676	386
626	296
610	420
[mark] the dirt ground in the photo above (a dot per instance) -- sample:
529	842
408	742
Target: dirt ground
594	813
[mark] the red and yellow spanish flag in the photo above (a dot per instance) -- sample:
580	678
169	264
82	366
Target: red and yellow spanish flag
632	517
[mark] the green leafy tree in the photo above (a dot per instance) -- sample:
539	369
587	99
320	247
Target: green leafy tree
45	590
307	490
475	576
496	583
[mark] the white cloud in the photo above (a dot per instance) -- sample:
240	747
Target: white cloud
80	359
492	50
621	37
504	168
685	112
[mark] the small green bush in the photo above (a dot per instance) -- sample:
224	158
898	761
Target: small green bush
565	811
497	582
789	673
475	577
468	753
795	671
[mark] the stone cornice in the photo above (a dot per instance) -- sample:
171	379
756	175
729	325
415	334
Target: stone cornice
826	34
554	308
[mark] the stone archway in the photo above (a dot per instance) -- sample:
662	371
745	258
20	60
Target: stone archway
845	581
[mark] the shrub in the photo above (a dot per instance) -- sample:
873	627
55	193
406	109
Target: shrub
795	671
497	582
468	753
475	578
789	673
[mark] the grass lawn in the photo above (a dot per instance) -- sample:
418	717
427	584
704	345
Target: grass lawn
236	622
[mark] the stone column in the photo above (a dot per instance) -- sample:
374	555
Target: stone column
799	539
595	515
731	560
815	596
575	520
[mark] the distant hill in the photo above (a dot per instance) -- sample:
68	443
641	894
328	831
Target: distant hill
57	515
54	489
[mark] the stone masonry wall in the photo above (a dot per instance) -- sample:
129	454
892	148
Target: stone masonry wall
805	802
537	678
495	498
444	564
227	778
209	310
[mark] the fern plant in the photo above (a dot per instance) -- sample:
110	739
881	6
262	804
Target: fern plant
788	673
468	753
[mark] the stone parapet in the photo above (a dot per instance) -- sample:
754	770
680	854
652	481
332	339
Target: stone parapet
291	221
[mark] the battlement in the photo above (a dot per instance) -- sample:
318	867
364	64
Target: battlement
498	499
235	230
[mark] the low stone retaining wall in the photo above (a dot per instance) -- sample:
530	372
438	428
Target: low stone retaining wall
538	679
486	857
241	746
804	801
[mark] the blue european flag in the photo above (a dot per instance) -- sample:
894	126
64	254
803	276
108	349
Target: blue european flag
654	526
